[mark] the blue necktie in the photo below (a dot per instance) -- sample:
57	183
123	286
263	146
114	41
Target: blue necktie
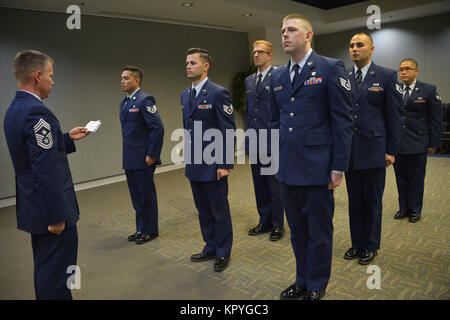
258	83
406	95
358	79
125	102
296	67
192	97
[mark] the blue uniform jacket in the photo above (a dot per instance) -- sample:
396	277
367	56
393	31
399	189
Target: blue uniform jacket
314	120
377	116
213	107
142	131
423	124
258	112
44	189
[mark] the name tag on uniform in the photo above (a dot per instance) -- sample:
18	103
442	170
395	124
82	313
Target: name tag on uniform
277	88
204	106
248	91
312	81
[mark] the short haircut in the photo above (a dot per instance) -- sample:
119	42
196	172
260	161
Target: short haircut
410	60
365	34
306	22
268	44
135	71
28	61
203	53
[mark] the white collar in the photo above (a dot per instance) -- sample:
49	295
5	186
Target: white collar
199	86
411	86
302	62
131	95
264	73
363	69
35	95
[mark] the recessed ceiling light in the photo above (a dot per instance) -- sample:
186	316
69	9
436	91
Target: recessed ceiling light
188	4
247	14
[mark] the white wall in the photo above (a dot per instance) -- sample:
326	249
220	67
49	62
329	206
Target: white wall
88	64
426	40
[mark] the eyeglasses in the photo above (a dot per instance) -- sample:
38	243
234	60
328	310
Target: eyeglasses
406	69
259	52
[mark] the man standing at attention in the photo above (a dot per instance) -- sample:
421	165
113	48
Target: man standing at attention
257	117
206	106
311	105
421	135
46	202
377	117
142	140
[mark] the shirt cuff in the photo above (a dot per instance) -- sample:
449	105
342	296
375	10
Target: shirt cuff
338	172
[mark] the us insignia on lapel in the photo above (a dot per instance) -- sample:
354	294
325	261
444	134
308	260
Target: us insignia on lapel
43	133
346	84
151	109
398	88
228	109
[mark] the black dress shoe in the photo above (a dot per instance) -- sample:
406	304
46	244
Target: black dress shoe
294	292
259	229
367	257
352	253
221	264
134	236
199	257
277	234
400	215
413	217
145	237
314	295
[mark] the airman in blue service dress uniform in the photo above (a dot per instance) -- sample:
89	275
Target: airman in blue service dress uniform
311	105
377	117
142	136
421	135
45	197
206	106
257	117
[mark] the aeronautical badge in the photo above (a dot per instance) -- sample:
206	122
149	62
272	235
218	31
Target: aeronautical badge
43	133
398	88
151	109
228	109
345	83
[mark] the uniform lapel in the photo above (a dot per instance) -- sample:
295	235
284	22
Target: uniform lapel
367	81
351	77
122	109
265	82
131	104
252	83
305	73
285	77
414	94
201	97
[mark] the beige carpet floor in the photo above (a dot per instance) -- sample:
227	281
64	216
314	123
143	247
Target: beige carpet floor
414	260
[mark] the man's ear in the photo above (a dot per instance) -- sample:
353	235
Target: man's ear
36	76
